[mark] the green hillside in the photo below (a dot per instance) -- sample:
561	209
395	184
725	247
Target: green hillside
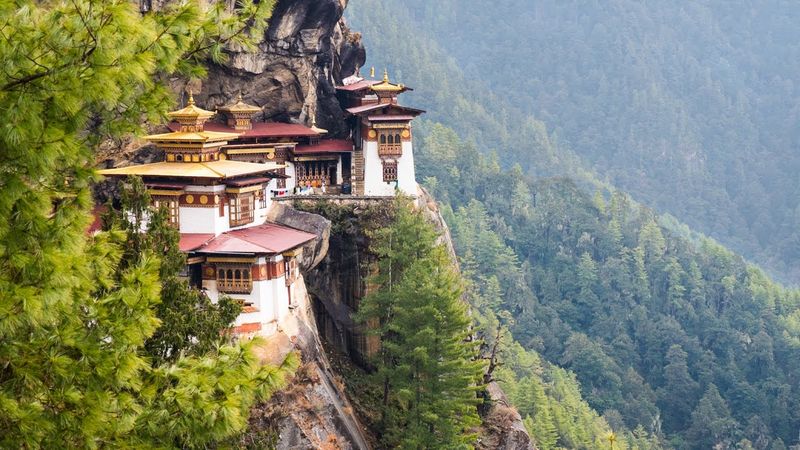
690	106
682	340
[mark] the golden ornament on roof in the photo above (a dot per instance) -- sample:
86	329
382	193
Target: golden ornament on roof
239	106
386	85
191	112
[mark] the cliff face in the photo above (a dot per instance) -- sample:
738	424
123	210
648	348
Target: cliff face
339	282
306	51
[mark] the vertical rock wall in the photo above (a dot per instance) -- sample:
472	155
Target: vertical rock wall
306	51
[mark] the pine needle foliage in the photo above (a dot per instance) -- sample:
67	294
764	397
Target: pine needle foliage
190	322
427	364
74	314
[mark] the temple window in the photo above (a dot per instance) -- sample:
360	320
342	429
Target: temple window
389	170
242	209
262	198
389	143
234	280
173	209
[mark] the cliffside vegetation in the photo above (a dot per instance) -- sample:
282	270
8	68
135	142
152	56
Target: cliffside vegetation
420	387
662	328
74	313
427	367
189	322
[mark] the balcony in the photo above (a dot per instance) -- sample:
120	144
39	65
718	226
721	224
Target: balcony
390	149
234	286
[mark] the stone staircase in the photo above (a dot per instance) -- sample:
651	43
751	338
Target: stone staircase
358	172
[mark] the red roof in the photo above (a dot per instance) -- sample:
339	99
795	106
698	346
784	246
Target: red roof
390	118
248	181
392	106
267	238
260	129
326	146
357	86
191	241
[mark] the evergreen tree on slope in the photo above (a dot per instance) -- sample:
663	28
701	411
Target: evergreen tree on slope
427	365
190	322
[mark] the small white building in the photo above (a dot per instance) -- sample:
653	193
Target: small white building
383	157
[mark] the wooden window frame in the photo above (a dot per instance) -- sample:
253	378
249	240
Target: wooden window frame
390	142
239	213
261	197
235	279
173	205
389	170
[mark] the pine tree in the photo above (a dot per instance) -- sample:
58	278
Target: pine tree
543	429
189	321
73	317
652	241
427	366
436	375
396	247
678	393
712	425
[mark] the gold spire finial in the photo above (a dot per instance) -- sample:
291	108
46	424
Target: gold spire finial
191	98
314	126
385	75
239	97
372	72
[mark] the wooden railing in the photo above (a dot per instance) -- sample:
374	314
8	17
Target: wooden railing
235	286
390	149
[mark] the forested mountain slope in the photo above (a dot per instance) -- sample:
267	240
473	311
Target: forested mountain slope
689	106
681	340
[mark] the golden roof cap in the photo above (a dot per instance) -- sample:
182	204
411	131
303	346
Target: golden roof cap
191	112
240	107
386	86
192	136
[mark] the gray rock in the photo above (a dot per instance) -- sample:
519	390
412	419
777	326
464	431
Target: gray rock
314	252
306	51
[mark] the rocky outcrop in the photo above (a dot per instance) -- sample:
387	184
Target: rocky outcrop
502	427
315	251
313	411
306	51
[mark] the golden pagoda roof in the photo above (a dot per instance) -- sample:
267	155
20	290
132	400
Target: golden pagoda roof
212	169
193	136
386	86
240	107
191	111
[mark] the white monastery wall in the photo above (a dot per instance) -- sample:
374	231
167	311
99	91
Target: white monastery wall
406	176
373	172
